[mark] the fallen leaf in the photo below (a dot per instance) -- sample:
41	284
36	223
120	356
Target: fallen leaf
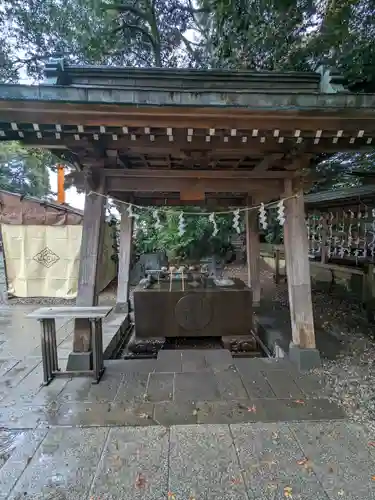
140	481
303	461
144	415
373	478
372	443
288	492
171	496
272	486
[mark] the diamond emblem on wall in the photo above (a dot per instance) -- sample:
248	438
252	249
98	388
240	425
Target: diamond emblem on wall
46	257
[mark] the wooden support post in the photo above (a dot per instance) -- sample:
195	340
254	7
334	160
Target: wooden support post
302	349
253	254
277	265
369	292
91	244
324	249
125	251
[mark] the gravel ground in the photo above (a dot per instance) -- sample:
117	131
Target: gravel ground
348	375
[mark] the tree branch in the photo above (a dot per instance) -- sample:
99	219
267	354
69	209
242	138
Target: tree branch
128	8
134	27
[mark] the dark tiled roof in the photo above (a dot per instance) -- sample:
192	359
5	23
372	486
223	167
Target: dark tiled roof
63	207
340	195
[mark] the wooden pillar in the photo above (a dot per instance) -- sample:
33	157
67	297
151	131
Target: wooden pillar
369	292
253	254
277	265
91	245
325	248
298	272
125	251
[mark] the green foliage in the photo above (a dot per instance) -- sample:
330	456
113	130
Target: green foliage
128	32
24	171
282	35
262	34
196	242
295	35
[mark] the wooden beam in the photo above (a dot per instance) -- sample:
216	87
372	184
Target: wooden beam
268	162
173	202
315	115
91	243
181	185
125	250
162	146
298	270
253	254
195	174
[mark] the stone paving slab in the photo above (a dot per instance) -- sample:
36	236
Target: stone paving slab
193	361
283	387
196	386
63	466
82	389
102	415
255	384
230	384
133	388
304	461
203	464
134	465
26	416
225	393
145	413
169	413
169	361
16	452
160	387
339	459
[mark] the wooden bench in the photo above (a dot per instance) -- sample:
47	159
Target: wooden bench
47	317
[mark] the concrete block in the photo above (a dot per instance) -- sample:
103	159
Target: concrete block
79	361
305	359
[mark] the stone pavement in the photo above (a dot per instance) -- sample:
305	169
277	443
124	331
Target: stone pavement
189	425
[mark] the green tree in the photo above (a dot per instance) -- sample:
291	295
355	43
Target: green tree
295	35
197	240
141	33
24	171
262	34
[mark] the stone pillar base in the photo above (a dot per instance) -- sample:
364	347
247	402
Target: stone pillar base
121	307
79	361
304	358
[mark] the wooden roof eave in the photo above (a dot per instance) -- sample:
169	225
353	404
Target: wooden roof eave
46	104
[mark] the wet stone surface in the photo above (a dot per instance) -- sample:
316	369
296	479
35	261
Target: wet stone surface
184	426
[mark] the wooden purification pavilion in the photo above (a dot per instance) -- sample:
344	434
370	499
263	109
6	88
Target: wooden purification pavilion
190	137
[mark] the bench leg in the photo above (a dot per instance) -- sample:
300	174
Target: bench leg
46	359
97	349
50	326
